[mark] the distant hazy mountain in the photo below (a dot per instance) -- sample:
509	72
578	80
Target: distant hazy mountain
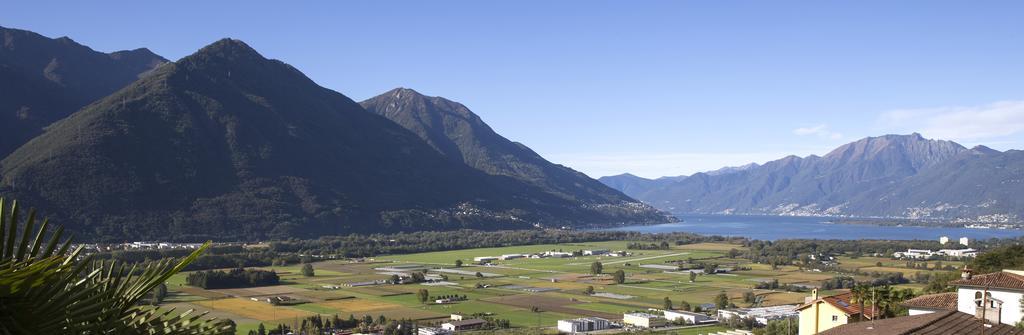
729	169
225	144
890	176
43	80
631	184
459	134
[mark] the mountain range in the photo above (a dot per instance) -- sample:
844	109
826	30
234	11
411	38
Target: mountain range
894	176
44	80
225	144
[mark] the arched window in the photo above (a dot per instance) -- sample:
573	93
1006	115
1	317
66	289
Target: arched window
977	298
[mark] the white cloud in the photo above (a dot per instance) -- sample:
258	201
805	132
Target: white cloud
820	130
959	123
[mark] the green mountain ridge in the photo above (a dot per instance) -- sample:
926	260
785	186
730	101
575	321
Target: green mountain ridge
456	132
227	145
46	79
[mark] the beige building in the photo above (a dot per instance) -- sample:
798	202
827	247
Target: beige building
643	320
823	313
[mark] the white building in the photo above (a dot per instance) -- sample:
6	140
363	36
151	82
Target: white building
512	256
558	254
595	252
968	252
582	325
999	294
433	331
964	241
914	253
643	320
484	259
760	314
943	240
463	324
690	317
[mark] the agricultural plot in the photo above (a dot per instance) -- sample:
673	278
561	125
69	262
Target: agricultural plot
528	292
260	291
550	303
253	310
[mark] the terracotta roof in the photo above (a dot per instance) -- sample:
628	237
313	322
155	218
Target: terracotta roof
943	301
844	302
996	280
945	322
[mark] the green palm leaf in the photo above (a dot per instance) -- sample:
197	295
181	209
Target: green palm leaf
47	289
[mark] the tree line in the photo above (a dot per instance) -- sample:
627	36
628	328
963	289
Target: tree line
238	277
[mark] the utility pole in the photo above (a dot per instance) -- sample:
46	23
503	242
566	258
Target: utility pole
874	302
984	306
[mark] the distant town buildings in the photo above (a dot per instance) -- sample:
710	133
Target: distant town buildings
964	241
926	254
556	254
943	240
583	325
551	254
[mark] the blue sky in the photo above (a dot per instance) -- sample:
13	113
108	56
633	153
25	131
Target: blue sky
649	87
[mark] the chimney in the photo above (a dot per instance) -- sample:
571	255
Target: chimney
813	297
966	273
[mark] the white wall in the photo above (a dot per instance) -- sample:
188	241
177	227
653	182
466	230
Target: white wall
566	326
1011	312
912	311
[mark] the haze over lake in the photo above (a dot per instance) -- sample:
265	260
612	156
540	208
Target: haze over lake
790	227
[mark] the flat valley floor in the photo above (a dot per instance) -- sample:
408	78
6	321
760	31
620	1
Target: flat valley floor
554	287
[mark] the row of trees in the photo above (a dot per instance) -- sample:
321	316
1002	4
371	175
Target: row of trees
648	246
774	285
356	245
318	324
212	279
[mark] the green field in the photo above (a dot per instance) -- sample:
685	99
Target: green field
504	296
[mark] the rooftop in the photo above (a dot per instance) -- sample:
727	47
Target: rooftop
685	312
1002	279
946	322
643	315
942	301
844	302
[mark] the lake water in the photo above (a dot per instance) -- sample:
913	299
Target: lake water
786	227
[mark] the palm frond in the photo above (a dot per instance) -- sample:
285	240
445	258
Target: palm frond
47	289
